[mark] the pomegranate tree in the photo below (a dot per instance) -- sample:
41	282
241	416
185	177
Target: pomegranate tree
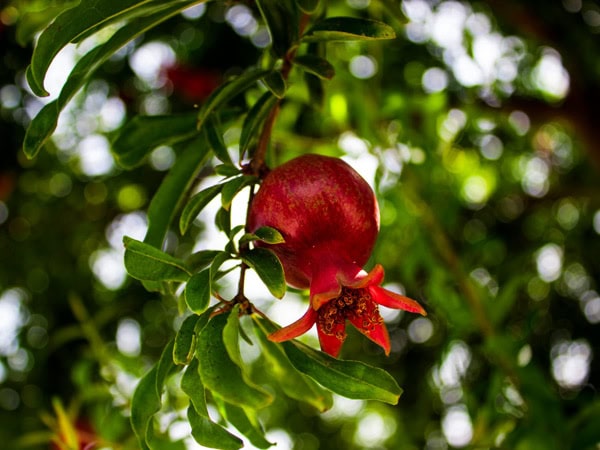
329	218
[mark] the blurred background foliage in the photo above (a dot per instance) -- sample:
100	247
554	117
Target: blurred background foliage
478	127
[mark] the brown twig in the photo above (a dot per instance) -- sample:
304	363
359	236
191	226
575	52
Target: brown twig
257	165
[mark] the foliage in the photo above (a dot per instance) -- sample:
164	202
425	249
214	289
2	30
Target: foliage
489	217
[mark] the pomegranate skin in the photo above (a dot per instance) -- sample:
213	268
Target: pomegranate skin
329	218
326	212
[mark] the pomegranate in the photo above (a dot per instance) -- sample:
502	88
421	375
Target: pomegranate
329	218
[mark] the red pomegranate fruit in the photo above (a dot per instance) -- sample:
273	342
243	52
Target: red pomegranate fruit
329	218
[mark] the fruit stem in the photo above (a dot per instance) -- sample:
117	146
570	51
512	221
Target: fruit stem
240	297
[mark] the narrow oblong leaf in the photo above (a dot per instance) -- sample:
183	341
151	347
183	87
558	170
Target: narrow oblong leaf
146	400
144	404
145	262
282	18
269	269
198	291
173	189
164	367
196	204
142	134
209	434
44	123
308	6
351	379
200	260
269	235
245	425
231	333
255	119
215	139
65	28
316	90
217	263
228	91
204	430
232	187
82	20
275	83
220	374
223	220
227	170
185	341
30	22
316	65
348	29
294	384
191	385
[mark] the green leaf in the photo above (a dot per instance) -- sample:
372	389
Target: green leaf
282	18
268	268
142	134
191	385
231	333
316	65
351	379
255	119
308	6
217	263
269	235
30	22
220	374
44	123
348	29
209	434
196	204
198	292
232	187
145	262
200	260
223	220
204	430
228	91
172	191
265	234
316	91
294	384
82	20
215	139
164	367
275	83
146	400
185	341
144	404
243	423
227	170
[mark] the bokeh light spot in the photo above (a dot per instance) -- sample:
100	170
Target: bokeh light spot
549	261
457	426
128	337
94	155
363	67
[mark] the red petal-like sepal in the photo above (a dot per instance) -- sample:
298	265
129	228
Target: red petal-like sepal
331	343
364	279
394	300
377	333
295	329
